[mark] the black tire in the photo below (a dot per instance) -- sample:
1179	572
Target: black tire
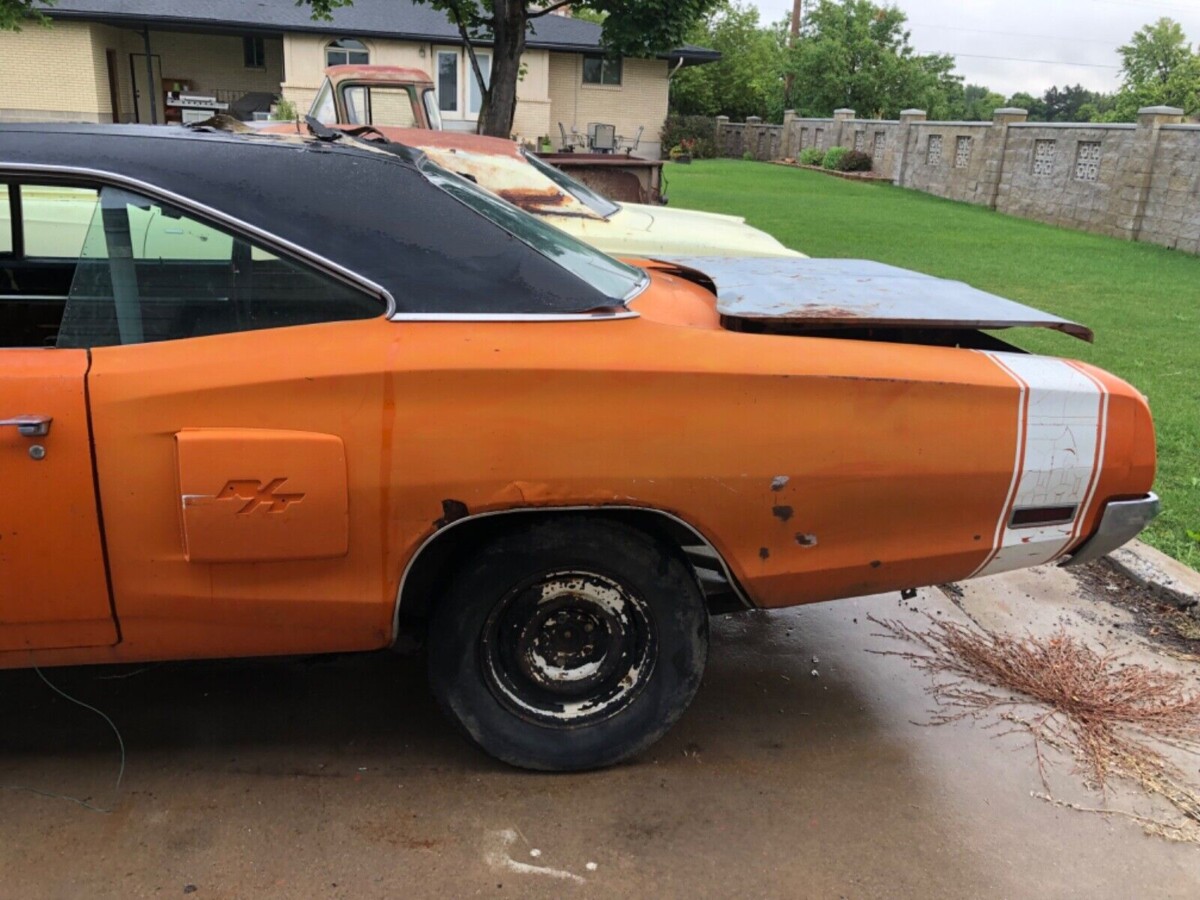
568	644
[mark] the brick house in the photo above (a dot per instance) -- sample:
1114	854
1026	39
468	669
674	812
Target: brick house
97	60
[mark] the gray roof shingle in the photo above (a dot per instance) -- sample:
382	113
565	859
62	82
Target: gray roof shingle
397	19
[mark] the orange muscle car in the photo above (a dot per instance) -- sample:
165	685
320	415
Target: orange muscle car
282	395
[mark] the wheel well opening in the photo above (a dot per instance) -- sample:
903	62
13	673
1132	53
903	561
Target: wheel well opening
438	559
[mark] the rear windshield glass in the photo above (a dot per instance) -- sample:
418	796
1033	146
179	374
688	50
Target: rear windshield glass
612	278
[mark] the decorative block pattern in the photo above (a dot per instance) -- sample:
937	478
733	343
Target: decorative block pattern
962	152
933	153
880	144
1087	161
819	139
1044	153
860	141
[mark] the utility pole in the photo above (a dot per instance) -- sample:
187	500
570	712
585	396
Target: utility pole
797	17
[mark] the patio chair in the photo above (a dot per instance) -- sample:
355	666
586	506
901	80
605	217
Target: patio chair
570	139
604	138
630	144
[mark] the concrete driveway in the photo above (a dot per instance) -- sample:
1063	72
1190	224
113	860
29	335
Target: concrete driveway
338	778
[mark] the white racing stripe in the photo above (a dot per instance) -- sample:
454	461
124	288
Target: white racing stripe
1060	446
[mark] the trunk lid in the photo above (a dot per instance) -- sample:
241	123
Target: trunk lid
823	294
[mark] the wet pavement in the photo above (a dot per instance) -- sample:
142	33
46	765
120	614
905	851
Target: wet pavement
338	778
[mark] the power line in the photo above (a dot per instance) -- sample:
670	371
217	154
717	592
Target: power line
1047	62
1051	37
1159	7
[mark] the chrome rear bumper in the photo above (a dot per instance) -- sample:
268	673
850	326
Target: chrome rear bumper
1121	522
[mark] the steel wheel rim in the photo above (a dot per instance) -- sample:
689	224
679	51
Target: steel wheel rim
568	648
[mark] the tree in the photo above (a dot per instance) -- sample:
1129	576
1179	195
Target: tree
748	79
979	102
855	53
14	13
631	28
1160	69
1156	53
1035	106
1068	104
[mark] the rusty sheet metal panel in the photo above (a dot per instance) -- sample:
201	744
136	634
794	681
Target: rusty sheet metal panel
624	178
861	293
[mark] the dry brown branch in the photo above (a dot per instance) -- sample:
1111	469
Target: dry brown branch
1113	717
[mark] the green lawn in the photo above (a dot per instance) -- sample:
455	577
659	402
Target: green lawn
1142	301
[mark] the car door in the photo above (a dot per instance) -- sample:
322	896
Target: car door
53	589
237	406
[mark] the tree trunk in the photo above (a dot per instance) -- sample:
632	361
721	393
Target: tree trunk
500	101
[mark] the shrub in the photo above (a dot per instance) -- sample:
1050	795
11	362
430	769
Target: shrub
701	131
833	156
285	111
811	157
854	161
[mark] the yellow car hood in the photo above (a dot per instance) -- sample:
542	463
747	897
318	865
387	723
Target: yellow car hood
639	230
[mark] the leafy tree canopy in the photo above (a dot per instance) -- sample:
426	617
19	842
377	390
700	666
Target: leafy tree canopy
856	53
747	81
15	13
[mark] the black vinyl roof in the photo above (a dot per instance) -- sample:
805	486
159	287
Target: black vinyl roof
396	19
370	212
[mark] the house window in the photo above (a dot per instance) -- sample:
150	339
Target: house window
598	69
253	55
447	80
474	95
346	52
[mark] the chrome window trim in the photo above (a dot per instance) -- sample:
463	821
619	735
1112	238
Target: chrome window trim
272	241
734	585
515	317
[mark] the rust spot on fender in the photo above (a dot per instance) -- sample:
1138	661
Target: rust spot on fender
763	553
782	513
806	540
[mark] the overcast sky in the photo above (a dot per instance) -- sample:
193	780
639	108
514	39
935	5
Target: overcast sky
1028	45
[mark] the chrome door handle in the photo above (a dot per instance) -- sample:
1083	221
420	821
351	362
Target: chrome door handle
29	426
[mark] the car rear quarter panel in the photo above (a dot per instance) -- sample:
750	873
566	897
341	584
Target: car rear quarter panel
818	468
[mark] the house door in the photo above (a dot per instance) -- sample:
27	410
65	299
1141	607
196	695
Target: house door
459	97
142	92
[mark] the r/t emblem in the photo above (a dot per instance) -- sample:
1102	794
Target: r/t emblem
256	494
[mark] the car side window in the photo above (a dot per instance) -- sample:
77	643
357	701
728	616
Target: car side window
6	220
150	272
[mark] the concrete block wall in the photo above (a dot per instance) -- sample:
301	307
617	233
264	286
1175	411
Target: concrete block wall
1133	181
1172	213
1046	177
